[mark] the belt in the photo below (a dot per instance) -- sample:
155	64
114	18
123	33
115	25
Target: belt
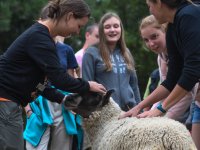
4	99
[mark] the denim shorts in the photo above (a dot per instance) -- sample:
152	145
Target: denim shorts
196	114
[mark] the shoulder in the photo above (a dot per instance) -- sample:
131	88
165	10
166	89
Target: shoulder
69	47
78	53
190	10
38	33
92	50
64	47
128	51
39	30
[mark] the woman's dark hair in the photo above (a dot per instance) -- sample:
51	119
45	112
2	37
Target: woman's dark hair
172	3
56	9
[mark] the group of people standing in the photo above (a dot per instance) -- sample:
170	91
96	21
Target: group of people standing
105	62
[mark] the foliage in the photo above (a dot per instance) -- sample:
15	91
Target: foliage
17	15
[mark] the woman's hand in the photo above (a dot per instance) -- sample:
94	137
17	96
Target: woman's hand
29	113
131	113
96	87
151	113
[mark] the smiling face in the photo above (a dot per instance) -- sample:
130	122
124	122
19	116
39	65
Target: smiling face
154	38
112	30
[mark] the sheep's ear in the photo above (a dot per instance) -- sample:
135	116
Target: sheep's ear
107	97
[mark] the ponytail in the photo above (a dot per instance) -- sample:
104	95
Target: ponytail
56	9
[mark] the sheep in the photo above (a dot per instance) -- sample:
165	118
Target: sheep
107	132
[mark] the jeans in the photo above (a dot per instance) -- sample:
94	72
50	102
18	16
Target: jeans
196	115
11	126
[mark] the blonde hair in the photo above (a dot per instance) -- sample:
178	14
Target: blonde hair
103	47
151	21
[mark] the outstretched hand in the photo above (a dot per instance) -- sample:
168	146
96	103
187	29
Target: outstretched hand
96	87
151	113
131	113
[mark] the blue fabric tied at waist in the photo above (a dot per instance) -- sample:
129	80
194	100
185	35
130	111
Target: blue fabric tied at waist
41	118
73	126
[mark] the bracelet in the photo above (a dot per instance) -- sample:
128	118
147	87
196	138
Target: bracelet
28	111
159	107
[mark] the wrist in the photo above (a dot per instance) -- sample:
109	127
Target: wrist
29	112
64	98
140	106
160	108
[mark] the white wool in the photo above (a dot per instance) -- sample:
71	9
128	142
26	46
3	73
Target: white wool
106	132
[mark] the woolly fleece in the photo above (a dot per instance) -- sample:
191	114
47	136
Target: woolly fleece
106	132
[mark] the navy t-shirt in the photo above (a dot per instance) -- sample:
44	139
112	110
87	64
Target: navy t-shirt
66	56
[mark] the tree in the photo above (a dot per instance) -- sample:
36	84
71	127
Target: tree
15	17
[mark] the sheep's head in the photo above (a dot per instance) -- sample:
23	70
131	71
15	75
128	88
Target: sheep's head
85	104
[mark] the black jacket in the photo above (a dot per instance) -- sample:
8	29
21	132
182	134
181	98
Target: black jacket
30	58
183	45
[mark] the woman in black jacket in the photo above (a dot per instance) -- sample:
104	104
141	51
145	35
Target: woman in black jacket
31	58
182	40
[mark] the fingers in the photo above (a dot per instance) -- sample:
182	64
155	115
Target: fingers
142	115
102	89
146	114
124	115
96	87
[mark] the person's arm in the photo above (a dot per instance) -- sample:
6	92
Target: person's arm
184	68
134	85
162	64
72	64
71	59
189	48
72	72
28	110
42	50
159	93
177	94
190	51
88	66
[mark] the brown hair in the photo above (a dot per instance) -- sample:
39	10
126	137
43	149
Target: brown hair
171	3
56	9
103	47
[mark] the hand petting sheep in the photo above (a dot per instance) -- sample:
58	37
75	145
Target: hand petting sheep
107	132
